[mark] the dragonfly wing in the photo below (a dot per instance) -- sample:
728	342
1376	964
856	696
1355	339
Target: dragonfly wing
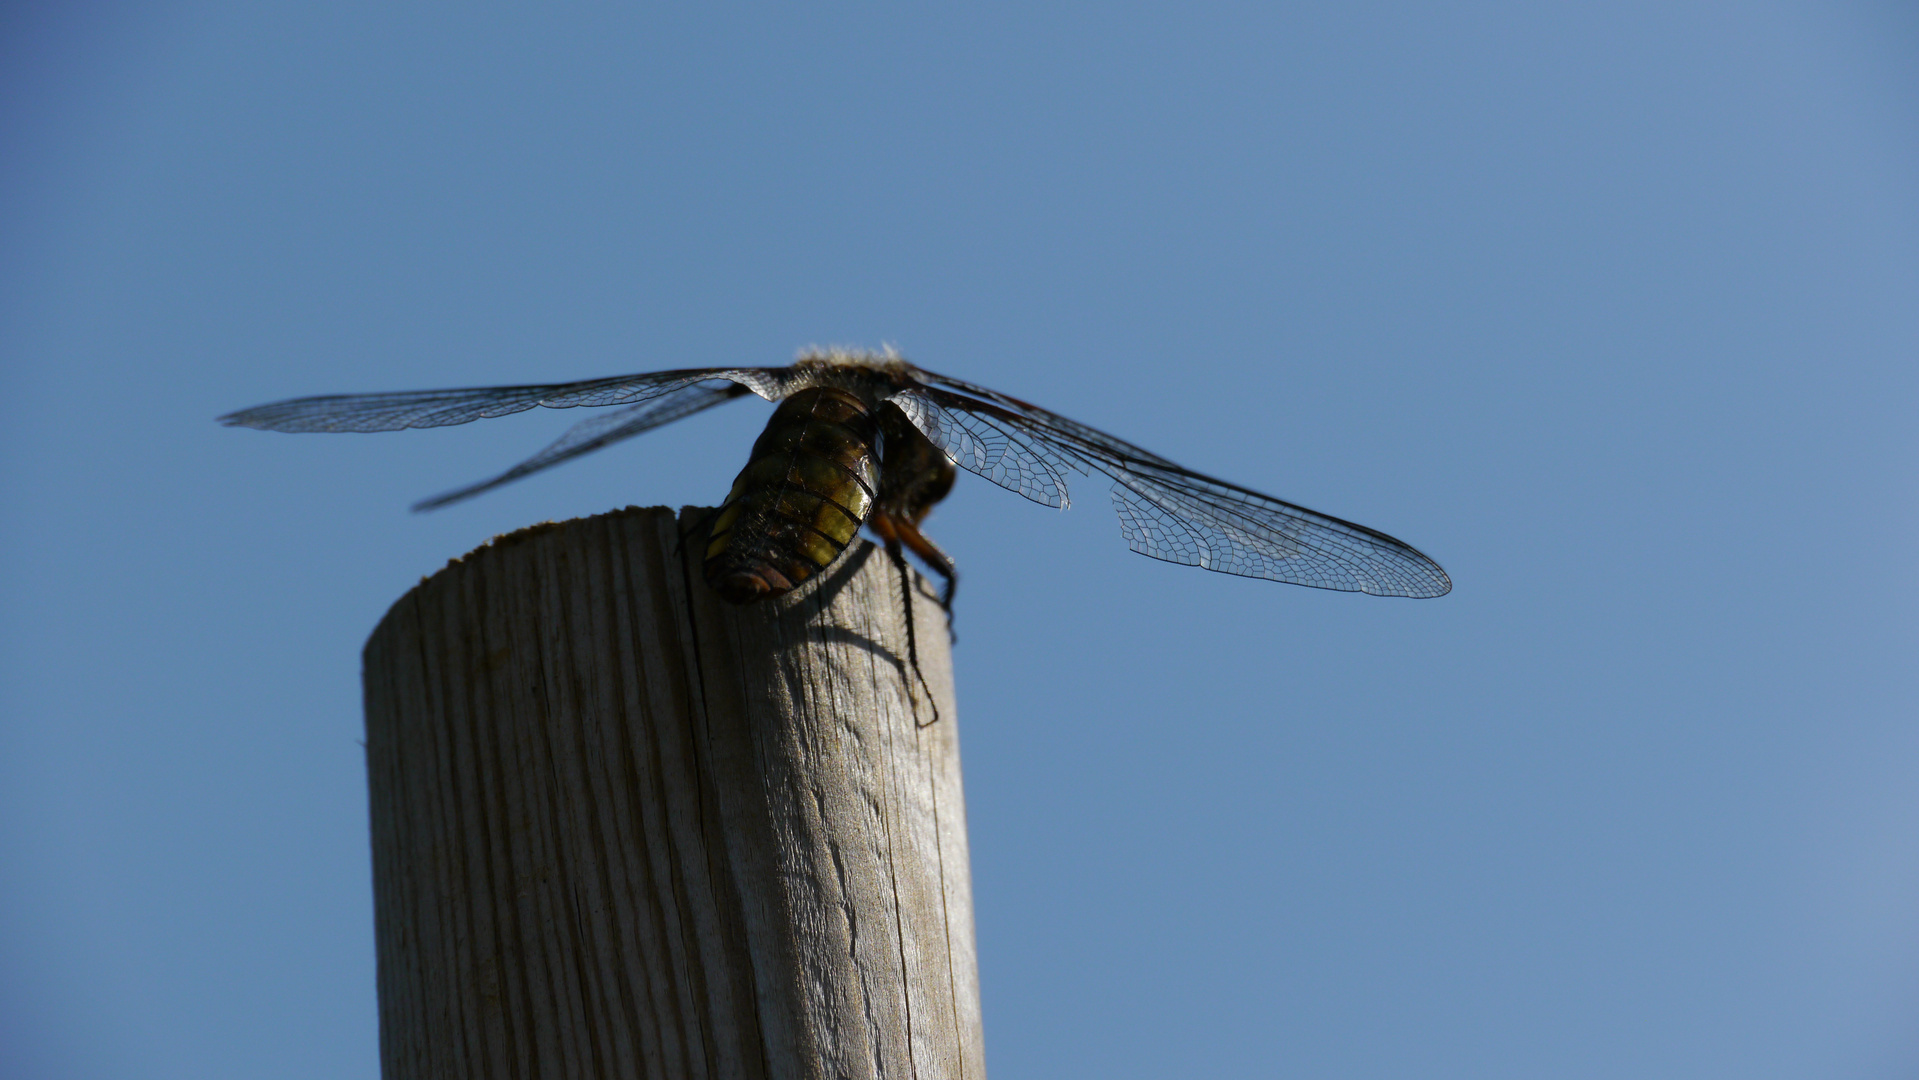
992	445
603	430
440	408
1166	511
1187	518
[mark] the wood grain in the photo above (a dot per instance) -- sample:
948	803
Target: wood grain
624	829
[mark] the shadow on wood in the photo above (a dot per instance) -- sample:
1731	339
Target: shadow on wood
622	828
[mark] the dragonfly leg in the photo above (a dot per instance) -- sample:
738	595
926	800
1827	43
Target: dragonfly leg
937	560
912	635
896	529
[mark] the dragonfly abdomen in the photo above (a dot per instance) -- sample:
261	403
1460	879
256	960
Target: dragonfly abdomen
801	499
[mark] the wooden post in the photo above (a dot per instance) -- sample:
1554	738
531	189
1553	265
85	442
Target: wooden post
624	829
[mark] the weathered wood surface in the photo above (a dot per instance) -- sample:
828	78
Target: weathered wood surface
623	829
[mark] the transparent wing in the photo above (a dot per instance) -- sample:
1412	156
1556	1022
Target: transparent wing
1165	511
992	444
603	430
440	408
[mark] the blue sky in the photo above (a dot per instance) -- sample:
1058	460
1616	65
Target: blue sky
1610	309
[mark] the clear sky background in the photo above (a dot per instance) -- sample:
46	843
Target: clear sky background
1613	309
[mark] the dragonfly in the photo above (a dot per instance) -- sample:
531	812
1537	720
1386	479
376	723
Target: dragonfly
867	439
